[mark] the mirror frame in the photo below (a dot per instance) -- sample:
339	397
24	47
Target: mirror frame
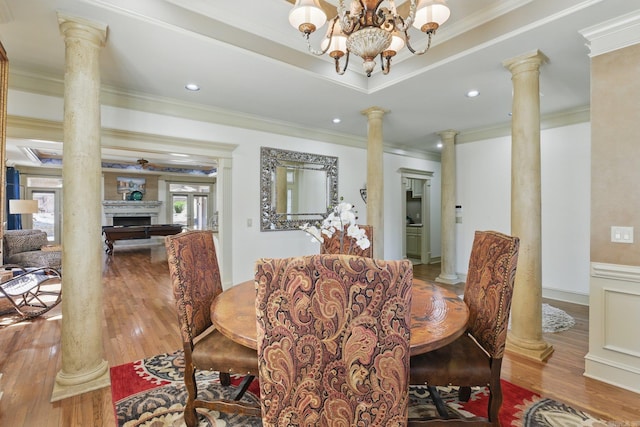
270	159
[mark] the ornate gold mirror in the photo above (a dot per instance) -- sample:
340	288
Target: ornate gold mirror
295	188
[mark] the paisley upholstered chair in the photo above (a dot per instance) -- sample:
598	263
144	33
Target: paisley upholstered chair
475	358
347	245
333	340
195	275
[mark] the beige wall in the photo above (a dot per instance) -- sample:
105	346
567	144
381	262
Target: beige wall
615	155
110	192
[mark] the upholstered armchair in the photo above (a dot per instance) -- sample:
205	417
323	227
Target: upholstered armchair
25	248
475	358
333	340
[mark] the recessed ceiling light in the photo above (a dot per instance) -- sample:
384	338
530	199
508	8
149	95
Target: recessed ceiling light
336	120
192	87
439	145
473	93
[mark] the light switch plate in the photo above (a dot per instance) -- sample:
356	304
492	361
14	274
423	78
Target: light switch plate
621	234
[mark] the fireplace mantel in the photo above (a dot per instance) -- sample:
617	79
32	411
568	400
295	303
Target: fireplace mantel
131	208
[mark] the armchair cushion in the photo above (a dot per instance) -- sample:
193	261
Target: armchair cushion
23	248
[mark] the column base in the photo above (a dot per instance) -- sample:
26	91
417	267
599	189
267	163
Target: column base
72	385
536	350
449	279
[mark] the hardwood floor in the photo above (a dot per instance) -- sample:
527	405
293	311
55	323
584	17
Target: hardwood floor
140	321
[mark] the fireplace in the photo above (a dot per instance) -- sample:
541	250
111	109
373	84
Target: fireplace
131	212
131	220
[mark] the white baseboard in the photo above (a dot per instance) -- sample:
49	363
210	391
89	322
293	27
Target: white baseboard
566	296
616	374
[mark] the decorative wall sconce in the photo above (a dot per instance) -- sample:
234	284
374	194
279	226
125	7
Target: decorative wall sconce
363	194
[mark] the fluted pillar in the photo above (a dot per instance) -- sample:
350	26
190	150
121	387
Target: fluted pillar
375	178
448	209
525	336
83	365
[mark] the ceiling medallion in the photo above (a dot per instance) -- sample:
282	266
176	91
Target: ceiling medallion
368	29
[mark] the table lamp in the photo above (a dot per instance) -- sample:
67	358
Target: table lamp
20	206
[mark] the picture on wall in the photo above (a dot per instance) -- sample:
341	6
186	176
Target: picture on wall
128	184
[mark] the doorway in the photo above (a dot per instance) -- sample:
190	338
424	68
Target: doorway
190	205
416	217
48	192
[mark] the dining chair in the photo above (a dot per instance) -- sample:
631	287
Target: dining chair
347	245
195	277
333	340
475	358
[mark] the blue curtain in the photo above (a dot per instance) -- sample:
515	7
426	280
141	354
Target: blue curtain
14	222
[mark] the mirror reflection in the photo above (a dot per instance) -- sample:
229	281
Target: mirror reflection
296	188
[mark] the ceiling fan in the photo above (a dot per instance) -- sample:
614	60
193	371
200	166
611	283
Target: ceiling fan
144	163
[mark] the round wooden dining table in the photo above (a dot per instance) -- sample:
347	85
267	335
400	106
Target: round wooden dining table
438	316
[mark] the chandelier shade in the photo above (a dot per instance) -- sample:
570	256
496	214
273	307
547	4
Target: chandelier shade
307	16
430	13
368	28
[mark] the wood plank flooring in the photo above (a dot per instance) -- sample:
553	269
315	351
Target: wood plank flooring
140	321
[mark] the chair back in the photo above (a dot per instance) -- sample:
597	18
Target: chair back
489	288
333	340
195	277
347	245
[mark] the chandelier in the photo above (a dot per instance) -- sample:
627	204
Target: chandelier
368	29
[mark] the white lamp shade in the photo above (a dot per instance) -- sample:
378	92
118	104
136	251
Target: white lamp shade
338	40
397	42
431	11
19	206
307	12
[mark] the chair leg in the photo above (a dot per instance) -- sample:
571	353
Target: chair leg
495	401
225	379
244	385
437	400
464	394
190	414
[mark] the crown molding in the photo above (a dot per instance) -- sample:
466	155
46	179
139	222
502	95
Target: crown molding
548	121
614	34
44	84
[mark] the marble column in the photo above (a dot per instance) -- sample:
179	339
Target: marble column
375	178
448	209
525	336
83	365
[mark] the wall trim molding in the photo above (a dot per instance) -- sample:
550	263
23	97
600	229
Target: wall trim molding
627	273
43	84
614	34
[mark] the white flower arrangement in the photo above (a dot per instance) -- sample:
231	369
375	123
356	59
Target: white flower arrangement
343	215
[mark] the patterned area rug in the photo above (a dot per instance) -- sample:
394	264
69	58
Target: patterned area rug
150	393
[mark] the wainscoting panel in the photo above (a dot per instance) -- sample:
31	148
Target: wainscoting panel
614	313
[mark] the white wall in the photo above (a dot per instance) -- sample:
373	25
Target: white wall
484	191
248	242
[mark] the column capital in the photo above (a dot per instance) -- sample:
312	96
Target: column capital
530	61
448	135
76	27
374	112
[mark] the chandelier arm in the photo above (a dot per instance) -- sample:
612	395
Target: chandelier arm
323	51
315	51
412	50
346	64
403	25
385	70
348	23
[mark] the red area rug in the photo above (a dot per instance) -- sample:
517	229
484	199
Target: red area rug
150	392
